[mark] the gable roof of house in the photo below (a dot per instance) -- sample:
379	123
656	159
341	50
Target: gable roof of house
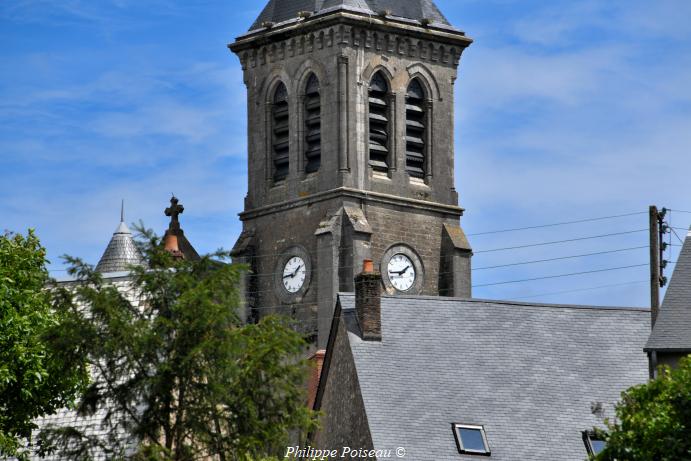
672	331
277	11
528	373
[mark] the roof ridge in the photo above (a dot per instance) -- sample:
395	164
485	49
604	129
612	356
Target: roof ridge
507	302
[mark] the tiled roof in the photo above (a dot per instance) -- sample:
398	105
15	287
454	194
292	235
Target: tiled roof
529	373
673	327
277	11
121	252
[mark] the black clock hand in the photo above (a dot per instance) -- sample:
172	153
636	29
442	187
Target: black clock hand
293	274
400	272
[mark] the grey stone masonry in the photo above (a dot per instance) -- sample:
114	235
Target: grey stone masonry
337	211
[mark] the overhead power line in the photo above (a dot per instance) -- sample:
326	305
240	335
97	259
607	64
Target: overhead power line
560	258
603	218
508	282
579	290
562	241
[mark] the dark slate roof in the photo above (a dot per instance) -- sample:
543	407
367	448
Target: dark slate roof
121	252
673	326
277	11
529	373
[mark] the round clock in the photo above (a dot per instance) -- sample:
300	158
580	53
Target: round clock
402	270
294	274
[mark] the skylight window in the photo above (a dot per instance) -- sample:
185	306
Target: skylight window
471	439
593	444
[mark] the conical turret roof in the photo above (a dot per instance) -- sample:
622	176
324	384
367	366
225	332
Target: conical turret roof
121	253
277	11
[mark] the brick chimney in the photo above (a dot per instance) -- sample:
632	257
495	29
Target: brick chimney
316	362
170	243
368	302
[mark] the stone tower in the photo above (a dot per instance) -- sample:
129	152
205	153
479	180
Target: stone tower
351	154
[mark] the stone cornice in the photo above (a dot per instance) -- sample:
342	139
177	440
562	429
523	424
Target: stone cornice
346	192
346	28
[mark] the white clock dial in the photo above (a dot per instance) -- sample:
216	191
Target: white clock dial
401	272
294	274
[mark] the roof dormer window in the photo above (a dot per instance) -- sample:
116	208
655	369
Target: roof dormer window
593	443
471	439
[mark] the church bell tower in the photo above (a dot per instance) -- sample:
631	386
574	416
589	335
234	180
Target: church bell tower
351	154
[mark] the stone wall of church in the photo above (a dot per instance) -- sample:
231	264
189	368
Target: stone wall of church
274	234
421	230
344	55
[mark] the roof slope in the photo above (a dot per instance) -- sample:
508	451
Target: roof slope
277	11
121	252
673	326
528	373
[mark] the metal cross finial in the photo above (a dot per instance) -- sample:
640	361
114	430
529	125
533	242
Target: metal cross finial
175	210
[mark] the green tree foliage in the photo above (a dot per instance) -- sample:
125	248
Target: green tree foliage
37	375
653	420
176	372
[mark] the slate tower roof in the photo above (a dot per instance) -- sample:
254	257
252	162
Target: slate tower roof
672	331
283	10
121	252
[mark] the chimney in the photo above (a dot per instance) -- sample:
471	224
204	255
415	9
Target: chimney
316	362
368	302
171	246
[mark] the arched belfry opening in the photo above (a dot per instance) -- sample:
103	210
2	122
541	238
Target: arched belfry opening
416	122
313	135
379	123
280	133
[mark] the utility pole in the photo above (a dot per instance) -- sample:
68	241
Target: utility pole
658	229
654	263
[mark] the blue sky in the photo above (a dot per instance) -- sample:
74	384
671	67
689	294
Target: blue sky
565	110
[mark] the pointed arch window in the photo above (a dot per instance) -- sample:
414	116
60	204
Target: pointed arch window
280	134
416	157
379	124
313	135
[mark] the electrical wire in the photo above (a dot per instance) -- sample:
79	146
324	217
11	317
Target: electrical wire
558	224
579	290
677	235
560	258
592	237
508	282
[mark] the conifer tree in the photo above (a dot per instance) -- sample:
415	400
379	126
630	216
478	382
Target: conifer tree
177	376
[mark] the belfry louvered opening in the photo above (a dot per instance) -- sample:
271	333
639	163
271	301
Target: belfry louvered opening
379	126
313	133
416	130
281	133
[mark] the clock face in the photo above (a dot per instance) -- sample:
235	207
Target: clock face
401	272
294	274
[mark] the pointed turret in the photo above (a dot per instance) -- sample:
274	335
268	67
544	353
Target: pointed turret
671	336
122	252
